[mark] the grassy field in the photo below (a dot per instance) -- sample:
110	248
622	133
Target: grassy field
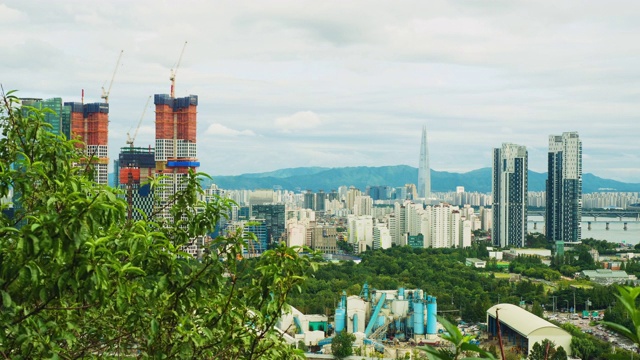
501	275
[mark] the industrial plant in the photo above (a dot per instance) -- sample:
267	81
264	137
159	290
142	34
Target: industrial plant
384	321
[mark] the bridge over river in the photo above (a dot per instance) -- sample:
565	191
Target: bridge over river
595	214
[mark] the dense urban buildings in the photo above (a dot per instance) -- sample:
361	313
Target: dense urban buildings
424	172
564	188
509	184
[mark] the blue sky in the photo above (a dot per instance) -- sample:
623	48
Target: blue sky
347	83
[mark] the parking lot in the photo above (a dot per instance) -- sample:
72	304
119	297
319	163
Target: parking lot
595	330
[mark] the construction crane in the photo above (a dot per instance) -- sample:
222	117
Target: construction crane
105	94
130	139
174	71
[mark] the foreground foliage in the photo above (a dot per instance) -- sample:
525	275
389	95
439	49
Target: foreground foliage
461	346
78	280
342	345
627	296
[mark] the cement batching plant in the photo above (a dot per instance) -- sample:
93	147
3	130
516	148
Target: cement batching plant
381	319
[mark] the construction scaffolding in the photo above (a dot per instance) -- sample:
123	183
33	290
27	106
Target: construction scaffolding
175	151
90	124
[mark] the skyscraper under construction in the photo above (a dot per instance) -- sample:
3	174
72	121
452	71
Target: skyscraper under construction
136	165
90	123
175	151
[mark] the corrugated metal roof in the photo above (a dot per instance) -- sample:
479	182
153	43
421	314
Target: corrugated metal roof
605	273
520	319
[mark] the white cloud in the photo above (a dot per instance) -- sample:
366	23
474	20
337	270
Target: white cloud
221	130
477	75
9	15
302	120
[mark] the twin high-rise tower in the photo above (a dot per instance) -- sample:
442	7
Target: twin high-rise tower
564	188
509	186
563	192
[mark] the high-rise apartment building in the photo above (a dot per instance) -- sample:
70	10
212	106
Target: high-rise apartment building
175	151
309	200
564	188
445	226
509	185
274	216
424	172
320	198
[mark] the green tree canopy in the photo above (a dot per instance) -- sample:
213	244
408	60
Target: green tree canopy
342	345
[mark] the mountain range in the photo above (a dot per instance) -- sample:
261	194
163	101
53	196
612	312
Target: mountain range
317	178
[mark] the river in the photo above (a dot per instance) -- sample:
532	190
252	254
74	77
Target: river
616	232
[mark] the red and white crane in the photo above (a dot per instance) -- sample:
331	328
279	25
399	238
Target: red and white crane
174	71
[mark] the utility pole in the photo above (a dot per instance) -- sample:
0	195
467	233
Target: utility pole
499	335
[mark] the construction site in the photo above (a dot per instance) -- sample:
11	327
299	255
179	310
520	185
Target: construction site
389	323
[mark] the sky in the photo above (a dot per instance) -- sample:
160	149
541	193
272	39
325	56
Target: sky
285	84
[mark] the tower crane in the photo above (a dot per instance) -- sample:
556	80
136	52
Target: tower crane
105	94
130	139
174	71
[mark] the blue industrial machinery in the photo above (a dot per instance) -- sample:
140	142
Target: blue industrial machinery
418	317
412	313
376	345
432	310
324	342
374	317
341	313
355	323
365	292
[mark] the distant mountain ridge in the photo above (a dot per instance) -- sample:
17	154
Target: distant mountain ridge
319	178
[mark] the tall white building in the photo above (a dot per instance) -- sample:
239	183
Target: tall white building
424	172
361	231
362	205
398	224
296	234
465	234
445	226
509	184
381	237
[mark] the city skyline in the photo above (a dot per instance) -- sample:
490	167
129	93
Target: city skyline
286	85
